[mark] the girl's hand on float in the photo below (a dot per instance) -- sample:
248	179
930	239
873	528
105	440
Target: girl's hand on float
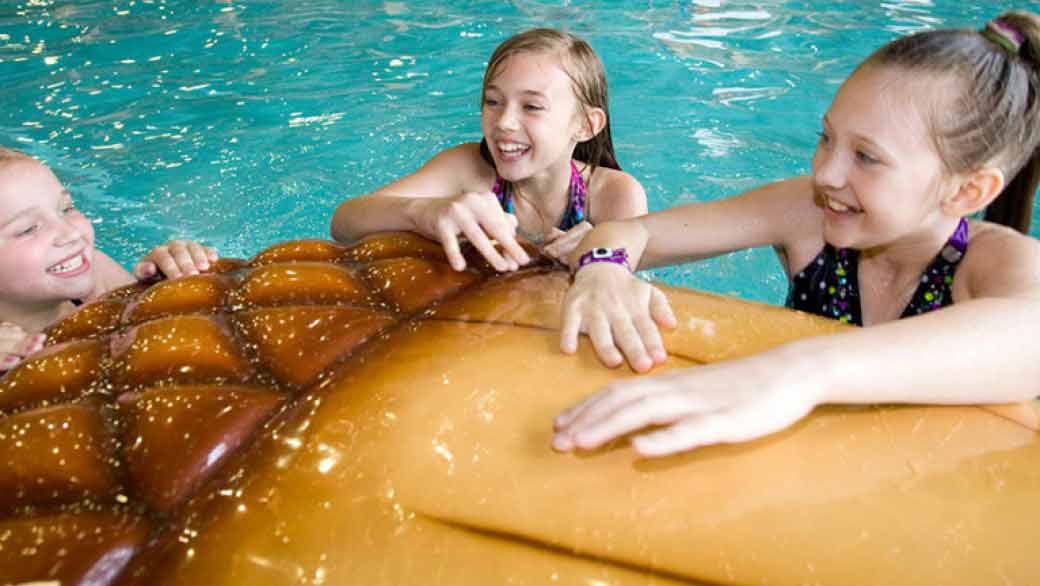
617	311
479	218
176	258
726	402
16	344
559	245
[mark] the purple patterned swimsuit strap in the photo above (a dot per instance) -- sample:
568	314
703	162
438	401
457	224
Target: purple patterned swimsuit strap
577	197
936	287
502	191
959	239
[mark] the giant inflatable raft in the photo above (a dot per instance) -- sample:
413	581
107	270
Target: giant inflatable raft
365	415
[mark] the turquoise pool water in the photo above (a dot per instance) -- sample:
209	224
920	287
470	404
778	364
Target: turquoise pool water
243	123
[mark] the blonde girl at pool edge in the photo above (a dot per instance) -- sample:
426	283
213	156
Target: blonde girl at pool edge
48	262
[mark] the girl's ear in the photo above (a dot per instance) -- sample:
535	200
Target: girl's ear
595	120
977	190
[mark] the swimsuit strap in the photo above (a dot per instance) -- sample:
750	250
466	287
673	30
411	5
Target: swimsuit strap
829	284
577	197
503	190
936	287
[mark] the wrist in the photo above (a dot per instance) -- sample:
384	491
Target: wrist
800	363
605	255
411	208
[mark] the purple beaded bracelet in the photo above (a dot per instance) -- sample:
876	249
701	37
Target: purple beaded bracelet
617	256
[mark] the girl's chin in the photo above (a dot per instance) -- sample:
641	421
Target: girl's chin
512	173
82	289
839	238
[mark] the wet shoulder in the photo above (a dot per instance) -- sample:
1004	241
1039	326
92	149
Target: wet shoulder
999	261
465	163
793	206
613	194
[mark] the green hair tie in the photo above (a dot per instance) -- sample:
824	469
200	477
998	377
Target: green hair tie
1003	34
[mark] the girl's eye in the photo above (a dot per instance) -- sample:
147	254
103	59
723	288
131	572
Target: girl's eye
28	231
824	139
865	158
533	107
490	103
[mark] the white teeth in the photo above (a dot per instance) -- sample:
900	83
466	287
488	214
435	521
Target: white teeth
69	265
512	147
839	207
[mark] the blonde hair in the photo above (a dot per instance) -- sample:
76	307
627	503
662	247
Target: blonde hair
588	80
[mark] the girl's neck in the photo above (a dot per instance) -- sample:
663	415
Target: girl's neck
548	187
540	201
910	255
35	318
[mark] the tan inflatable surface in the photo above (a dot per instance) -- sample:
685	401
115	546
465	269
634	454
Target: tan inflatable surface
365	415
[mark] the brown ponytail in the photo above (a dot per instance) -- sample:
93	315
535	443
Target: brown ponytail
1014	207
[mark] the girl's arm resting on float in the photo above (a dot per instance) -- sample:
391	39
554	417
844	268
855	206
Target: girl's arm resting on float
438	207
975	351
392	207
620	312
972	352
964	354
367	214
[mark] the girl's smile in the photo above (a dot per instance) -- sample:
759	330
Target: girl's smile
878	178
46	244
511	151
529	116
72	266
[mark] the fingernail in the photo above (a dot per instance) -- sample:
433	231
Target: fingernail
561	442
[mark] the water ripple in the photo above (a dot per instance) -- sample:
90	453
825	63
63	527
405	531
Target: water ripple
244	123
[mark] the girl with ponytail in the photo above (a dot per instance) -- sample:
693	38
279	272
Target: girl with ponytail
929	131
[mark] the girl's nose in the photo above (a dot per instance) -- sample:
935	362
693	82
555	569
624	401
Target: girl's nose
67	232
829	169
507	120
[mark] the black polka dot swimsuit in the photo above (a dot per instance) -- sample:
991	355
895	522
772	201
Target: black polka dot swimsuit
829	285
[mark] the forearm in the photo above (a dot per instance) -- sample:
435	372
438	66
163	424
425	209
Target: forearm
628	234
768	216
358	217
974	352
